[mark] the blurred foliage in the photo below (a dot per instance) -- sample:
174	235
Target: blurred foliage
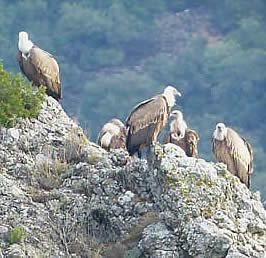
17	99
111	57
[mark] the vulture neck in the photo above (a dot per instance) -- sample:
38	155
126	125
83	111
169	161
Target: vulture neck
178	125
170	98
220	134
25	47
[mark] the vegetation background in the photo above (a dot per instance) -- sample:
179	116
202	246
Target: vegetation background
114	54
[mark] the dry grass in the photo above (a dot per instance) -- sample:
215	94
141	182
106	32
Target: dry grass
74	144
52	163
94	157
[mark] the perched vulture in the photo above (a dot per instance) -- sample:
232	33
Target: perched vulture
233	150
38	66
112	135
147	119
182	136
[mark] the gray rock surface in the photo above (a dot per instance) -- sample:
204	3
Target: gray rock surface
73	199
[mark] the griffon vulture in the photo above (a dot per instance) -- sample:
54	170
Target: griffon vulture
112	135
38	66
182	136
147	119
233	150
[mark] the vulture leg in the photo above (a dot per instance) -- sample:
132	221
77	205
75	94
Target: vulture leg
151	155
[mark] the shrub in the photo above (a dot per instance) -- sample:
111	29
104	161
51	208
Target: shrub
17	235
17	98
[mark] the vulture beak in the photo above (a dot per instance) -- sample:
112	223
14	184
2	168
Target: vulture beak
177	93
219	127
171	114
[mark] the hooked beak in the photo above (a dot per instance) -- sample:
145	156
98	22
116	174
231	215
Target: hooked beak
171	115
220	128
178	93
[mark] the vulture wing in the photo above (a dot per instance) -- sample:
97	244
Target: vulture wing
239	151
47	71
20	62
145	123
236	153
251	169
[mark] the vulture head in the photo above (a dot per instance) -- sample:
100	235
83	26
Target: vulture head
24	44
220	132
169	93
176	114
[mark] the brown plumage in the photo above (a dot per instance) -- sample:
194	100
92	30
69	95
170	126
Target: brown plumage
147	119
189	143
39	66
233	150
112	135
182	136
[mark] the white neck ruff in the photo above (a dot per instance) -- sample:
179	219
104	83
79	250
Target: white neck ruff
220	135
170	98
25	46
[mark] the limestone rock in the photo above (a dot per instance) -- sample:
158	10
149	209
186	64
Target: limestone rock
74	199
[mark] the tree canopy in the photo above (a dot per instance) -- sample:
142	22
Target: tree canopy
114	54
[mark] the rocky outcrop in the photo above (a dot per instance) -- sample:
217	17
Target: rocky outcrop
70	198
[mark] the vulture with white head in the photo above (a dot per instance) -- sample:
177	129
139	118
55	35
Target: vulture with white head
112	135
38	66
181	135
147	119
233	150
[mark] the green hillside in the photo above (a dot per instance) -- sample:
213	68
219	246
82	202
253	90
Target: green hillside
114	54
